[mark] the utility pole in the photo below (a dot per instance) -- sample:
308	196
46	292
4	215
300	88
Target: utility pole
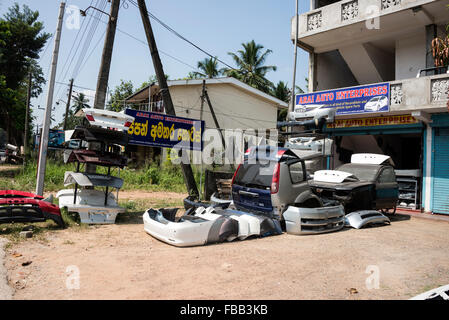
168	103
215	118
293	98
68	105
42	162
25	138
103	75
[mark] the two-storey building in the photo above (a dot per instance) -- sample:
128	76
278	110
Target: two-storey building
356	43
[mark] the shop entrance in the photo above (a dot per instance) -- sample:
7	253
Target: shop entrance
404	149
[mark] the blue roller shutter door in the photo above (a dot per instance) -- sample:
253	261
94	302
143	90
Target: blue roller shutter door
441	171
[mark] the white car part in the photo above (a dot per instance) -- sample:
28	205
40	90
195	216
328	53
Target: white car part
188	230
440	293
210	214
92	180
215	200
106	119
369	158
331	176
252	221
360	219
323	146
89	204
314	111
303	221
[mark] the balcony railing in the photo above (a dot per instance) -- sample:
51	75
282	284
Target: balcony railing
156	106
347	12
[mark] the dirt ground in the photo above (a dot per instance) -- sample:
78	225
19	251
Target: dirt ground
121	261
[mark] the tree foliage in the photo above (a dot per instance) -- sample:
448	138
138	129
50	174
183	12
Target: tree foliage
21	40
251	68
209	69
119	94
79	102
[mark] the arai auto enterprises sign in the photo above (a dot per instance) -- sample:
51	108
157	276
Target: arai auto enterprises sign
373	122
361	99
161	130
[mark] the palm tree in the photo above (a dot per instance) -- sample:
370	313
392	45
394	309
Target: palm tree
281	91
250	66
209	68
80	102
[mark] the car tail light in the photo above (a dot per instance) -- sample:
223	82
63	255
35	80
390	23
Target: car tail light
275	179
280	153
128	124
90	117
235	173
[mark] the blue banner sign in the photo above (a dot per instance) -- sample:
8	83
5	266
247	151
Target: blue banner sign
56	139
361	99
161	130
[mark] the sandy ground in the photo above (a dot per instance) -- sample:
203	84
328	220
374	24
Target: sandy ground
123	262
5	290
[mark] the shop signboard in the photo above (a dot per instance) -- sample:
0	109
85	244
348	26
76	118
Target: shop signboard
353	100
373	122
161	130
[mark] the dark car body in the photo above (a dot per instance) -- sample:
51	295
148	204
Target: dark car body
269	180
374	187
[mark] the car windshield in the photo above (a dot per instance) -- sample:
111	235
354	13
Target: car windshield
255	175
362	172
375	99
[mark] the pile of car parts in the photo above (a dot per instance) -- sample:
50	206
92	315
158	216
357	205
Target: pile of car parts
206	225
105	137
19	206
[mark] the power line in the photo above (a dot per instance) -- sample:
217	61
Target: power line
180	36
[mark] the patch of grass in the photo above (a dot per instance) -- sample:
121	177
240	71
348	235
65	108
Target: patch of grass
11	231
167	177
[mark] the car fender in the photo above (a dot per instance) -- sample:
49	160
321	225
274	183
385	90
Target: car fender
307	195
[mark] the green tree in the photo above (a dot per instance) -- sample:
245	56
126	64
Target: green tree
152	79
299	90
21	40
79	102
250	66
119	94
209	69
282	92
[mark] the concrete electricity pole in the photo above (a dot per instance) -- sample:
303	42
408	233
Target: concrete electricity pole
103	75
168	103
67	107
25	138
43	146
293	98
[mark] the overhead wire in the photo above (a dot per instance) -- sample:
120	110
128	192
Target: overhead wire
163	24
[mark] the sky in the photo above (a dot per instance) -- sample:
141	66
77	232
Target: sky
216	26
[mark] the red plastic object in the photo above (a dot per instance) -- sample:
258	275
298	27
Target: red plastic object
19	206
18	194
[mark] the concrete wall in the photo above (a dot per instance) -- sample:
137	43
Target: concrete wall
332	72
234	108
410	55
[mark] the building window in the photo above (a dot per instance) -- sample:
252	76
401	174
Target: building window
314	21
349	10
386	4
